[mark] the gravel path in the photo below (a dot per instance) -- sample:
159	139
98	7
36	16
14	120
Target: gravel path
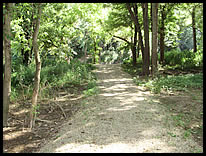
121	118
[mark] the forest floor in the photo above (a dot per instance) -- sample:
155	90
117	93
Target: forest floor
121	117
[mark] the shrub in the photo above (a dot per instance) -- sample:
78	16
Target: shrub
172	83
62	74
184	59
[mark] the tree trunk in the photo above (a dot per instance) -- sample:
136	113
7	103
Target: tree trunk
95	50
138	47
162	35
194	30
85	51
151	16
38	70
7	70
134	47
134	17
154	36
99	56
146	61
134	60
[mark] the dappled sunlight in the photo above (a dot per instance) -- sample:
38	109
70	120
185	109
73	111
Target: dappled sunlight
120	109
76	98
85	148
135	146
14	135
117	80
6	129
21	112
154	145
18	148
15	105
122	118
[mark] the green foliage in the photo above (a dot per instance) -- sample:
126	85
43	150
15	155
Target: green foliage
90	92
174	83
64	73
132	70
22	75
171	134
92	89
59	75
183	59
66	30
110	56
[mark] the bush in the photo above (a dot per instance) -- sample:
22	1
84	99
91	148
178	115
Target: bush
184	59
174	83
24	75
62	74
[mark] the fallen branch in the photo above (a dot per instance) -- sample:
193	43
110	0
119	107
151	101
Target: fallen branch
47	121
61	109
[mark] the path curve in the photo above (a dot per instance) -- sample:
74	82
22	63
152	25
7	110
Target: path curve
121	118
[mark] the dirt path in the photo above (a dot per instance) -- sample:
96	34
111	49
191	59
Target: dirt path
121	118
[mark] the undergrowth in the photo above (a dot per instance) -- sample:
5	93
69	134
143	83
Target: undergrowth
175	60
61	75
171	83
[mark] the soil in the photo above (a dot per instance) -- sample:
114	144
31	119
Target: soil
122	117
18	138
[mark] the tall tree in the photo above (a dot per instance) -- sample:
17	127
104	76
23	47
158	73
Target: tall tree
146	61
118	20
165	9
194	29
154	36
7	70
134	17
162	32
134	47
38	69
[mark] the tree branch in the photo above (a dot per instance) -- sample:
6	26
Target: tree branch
120	38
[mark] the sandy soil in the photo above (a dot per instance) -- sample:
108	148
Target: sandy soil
121	118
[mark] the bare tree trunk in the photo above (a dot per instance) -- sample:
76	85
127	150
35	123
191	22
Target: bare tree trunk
38	70
138	47
154	36
162	34
135	41
99	56
146	61
7	70
134	17
85	51
95	50
194	30
134	47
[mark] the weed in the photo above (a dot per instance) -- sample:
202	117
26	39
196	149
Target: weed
187	133
171	134
91	91
178	120
197	150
